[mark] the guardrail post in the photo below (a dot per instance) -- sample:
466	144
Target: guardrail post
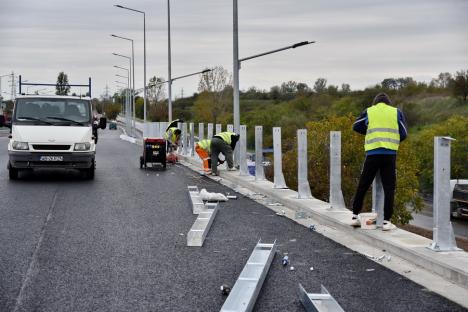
303	187
219	128
259	173
336	194
181	142
163	125
279	182
230	128
244	170
443	236
192	139
201	131
184	139
378	199
209	131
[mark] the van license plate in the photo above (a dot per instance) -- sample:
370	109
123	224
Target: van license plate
51	158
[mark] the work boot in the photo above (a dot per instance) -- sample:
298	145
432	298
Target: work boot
232	169
355	221
388	226
214	174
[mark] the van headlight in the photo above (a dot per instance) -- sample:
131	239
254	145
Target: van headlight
82	146
20	145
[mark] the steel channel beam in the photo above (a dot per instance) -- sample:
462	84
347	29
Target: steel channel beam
259	173
336	194
303	188
244	170
278	181
197	234
209	131
247	287
443	237
192	139
219	128
230	128
201	131
323	302
197	203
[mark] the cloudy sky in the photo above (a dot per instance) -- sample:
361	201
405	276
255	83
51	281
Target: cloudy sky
359	42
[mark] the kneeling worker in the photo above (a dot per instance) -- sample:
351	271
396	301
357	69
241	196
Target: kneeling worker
172	136
223	142
203	149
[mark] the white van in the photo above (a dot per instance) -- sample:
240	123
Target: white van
53	132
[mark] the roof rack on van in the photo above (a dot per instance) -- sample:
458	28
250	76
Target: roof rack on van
21	83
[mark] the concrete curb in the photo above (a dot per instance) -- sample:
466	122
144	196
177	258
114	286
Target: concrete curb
452	266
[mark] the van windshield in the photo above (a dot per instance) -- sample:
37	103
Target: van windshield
48	111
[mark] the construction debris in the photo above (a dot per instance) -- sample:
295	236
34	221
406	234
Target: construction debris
225	289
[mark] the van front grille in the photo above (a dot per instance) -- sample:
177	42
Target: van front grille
51	147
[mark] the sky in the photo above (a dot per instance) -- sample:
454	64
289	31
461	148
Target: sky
359	42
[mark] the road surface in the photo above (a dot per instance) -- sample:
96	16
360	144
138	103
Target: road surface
118	244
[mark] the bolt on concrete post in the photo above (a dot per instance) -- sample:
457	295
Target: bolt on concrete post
259	173
230	128
209	131
184	139
279	182
219	128
336	194
378	199
201	131
244	170
303	187
443	236
192	139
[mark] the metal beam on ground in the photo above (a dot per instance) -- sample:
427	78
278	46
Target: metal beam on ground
197	234
323	302
247	287
197	203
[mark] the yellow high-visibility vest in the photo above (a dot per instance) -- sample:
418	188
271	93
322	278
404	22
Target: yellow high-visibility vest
226	136
382	128
205	144
170	135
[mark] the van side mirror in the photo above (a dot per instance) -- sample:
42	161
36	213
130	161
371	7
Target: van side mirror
2	121
102	123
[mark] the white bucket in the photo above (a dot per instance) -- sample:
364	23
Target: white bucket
368	220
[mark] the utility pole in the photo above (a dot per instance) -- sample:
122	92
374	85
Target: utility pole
169	69
13	86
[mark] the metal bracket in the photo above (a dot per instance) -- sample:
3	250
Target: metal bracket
247	287
323	302
197	203
197	234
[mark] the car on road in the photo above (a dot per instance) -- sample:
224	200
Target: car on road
52	132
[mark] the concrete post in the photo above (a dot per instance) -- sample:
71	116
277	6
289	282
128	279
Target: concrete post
259	174
279	182
378	199
230	128
209	131
443	236
192	139
156	129
303	187
336	195
181	141
201	131
163	125
219	128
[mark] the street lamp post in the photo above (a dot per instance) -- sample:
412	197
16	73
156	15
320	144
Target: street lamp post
131	95
144	56
133	75
169	80
180	77
127	94
237	66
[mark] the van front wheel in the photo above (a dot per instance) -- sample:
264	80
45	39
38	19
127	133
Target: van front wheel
13	173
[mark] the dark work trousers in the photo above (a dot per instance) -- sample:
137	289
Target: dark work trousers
219	146
387	166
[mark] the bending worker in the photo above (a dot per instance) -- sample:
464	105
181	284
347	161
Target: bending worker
172	136
223	142
203	149
384	127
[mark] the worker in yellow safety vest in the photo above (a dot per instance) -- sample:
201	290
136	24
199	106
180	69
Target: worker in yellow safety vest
203	149
172	136
384	127
224	143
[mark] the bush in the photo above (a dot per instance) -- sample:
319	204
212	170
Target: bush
112	110
423	143
352	159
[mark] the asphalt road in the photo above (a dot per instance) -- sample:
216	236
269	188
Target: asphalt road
118	244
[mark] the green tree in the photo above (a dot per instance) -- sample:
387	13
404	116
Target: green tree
112	110
62	87
407	197
320	85
460	85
